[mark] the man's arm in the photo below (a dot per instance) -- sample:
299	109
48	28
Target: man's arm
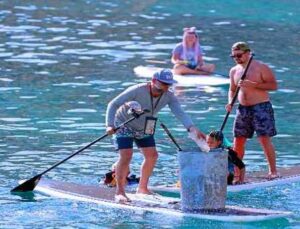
113	105
232	90
269	81
183	117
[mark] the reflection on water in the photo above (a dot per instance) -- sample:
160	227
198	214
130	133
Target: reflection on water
25	196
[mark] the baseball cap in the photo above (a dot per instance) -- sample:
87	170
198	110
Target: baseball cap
164	76
243	46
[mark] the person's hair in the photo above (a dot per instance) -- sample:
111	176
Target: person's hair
196	45
216	135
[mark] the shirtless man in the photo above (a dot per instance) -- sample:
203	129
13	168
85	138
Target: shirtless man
255	112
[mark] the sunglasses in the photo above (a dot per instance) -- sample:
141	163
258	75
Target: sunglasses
237	56
164	84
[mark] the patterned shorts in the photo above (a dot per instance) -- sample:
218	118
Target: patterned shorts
124	138
258	118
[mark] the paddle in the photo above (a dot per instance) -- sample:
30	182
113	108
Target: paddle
236	94
165	62
30	184
170	135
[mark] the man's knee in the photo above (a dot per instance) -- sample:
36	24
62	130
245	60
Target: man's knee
150	153
264	140
125	156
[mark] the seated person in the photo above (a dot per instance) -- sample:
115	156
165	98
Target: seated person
110	177
187	56
215	139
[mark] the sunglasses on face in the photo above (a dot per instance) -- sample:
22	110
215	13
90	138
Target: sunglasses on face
164	84
237	56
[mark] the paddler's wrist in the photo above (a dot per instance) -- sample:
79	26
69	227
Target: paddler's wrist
190	128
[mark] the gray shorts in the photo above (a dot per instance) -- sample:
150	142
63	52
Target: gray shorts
258	118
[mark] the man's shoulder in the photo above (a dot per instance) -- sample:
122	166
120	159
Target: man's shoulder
170	95
233	70
138	86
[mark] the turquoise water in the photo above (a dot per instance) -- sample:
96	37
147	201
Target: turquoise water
63	61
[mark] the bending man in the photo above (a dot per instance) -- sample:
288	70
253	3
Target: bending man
153	96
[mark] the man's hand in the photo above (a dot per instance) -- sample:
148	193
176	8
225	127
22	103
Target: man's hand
247	84
228	107
110	130
198	132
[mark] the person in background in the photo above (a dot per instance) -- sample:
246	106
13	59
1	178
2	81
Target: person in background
254	112
187	56
154	96
214	140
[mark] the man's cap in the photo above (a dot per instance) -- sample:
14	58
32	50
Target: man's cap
164	76
243	46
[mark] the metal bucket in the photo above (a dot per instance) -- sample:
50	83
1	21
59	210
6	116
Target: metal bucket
203	178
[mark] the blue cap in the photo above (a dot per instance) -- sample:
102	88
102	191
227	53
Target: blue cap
164	76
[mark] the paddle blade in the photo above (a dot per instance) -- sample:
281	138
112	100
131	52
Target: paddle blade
28	185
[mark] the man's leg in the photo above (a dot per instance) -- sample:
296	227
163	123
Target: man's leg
270	154
150	158
239	147
122	170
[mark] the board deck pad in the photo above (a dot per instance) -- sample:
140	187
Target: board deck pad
254	180
184	80
158	204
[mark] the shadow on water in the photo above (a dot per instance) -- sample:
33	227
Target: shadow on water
25	196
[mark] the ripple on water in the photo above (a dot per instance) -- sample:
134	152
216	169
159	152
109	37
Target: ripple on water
10	88
32	61
15	119
82	110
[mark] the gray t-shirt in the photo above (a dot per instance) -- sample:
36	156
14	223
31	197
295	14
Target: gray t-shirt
116	113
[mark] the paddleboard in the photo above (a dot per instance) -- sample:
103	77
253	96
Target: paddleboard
254	180
184	80
156	204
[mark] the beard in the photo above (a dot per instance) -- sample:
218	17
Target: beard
158	89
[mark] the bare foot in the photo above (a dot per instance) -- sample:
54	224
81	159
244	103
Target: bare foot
272	176
122	199
144	191
237	182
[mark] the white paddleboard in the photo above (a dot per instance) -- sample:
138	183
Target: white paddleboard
184	80
156	204
253	180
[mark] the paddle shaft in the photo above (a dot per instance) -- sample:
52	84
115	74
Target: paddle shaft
170	135
236	94
30	184
85	147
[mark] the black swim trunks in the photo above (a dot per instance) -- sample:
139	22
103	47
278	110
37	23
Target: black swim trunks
258	118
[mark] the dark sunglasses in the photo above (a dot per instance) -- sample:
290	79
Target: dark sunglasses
166	84
238	56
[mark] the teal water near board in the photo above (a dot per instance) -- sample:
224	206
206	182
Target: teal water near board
62	61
